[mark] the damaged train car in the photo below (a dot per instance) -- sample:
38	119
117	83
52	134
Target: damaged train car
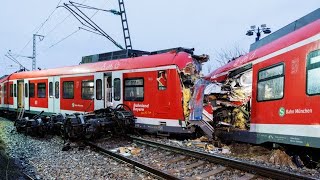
155	86
271	94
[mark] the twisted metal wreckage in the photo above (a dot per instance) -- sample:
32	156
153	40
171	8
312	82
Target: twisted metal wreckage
223	104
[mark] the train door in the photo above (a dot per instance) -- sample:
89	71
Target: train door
117	88
54	94
20	89
26	95
98	92
108	90
15	98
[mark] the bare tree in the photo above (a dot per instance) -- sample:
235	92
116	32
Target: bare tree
224	56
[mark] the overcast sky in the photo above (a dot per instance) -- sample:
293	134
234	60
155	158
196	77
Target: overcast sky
206	25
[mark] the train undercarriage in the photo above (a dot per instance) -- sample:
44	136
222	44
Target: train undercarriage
79	126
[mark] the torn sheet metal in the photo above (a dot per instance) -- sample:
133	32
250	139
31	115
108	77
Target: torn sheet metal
196	104
213	88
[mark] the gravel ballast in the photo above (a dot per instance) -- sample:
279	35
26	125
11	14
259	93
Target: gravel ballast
44	158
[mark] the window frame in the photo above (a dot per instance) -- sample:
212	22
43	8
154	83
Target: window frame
315	66
114	92
162	88
63	84
56	90
88	88
34	90
26	90
134	86
50	89
99	89
270	78
45	90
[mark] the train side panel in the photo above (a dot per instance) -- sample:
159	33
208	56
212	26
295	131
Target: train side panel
38	96
159	102
77	93
281	99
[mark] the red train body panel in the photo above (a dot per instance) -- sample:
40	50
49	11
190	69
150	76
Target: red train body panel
77	103
151	85
285	102
40	96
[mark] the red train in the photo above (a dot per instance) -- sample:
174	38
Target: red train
272	94
150	85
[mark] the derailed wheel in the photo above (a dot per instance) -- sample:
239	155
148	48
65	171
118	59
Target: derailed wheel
123	107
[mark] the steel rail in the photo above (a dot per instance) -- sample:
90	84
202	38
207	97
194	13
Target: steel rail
230	162
27	176
142	166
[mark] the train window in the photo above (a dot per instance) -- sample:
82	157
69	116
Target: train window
26	89
98	89
313	72
56	89
117	89
87	91
271	83
31	90
11	90
68	90
50	89
134	89
162	80
41	90
15	90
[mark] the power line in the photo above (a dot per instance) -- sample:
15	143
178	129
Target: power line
41	25
57	25
64	38
72	32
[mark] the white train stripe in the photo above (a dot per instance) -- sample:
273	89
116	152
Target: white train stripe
276	53
287	129
157	121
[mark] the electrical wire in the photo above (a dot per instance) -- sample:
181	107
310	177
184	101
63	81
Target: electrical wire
41	26
57	25
71	33
64	38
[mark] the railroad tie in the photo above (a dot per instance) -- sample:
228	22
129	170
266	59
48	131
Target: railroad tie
177	159
208	174
196	164
246	176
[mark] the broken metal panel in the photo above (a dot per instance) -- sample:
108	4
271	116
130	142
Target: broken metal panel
189	76
231	99
196	104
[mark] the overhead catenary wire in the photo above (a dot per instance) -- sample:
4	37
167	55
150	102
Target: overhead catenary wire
41	26
64	38
58	24
86	21
15	60
71	33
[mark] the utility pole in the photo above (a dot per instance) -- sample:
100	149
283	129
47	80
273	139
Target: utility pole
34	50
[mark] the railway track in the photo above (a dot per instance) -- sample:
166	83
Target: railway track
27	177
171	162
227	163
